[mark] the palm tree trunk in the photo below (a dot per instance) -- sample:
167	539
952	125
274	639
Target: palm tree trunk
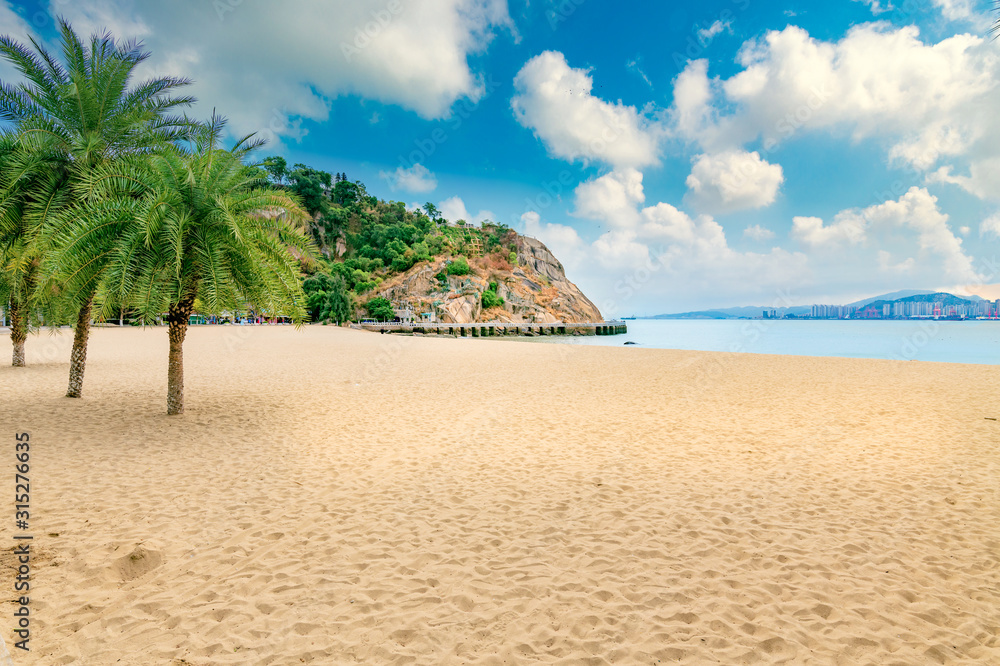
18	331
177	322
78	358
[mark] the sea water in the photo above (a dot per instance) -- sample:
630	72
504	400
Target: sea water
971	341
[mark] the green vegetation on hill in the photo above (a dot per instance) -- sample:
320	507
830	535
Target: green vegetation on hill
364	240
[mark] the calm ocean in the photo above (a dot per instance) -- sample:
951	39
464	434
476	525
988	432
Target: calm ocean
943	341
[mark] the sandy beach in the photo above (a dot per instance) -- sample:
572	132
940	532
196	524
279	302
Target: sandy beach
337	497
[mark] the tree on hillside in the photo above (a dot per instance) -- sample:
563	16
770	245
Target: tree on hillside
432	211
338	306
311	186
207	228
85	109
347	193
380	309
276	168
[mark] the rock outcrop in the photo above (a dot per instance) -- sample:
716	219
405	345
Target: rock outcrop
533	290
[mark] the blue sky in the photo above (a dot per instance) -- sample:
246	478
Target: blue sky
672	156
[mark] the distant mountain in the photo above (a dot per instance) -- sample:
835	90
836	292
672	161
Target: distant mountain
941	297
735	313
903	296
894	296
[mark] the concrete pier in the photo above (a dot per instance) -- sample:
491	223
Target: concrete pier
493	328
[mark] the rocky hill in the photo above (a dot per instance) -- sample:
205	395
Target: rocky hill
534	289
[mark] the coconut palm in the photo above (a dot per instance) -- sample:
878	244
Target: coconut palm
85	109
208	229
29	188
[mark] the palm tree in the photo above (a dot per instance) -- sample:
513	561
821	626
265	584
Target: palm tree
84	109
29	188
208	228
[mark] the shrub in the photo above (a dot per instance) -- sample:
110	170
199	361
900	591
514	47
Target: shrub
512	258
380	309
459	267
401	264
491	300
362	287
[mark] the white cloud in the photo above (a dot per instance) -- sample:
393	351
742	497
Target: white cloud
706	35
965	231
453	210
990	227
416	179
556	102
691	115
848	227
758	233
916	212
876	6
733	181
563	240
958	10
983	180
612	197
873	82
266	66
660	252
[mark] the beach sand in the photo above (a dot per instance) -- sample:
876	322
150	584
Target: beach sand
337	497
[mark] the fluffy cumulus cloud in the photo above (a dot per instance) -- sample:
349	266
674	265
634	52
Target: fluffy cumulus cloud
612	197
848	227
733	180
914	220
873	82
453	210
556	102
269	66
649	253
416	179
